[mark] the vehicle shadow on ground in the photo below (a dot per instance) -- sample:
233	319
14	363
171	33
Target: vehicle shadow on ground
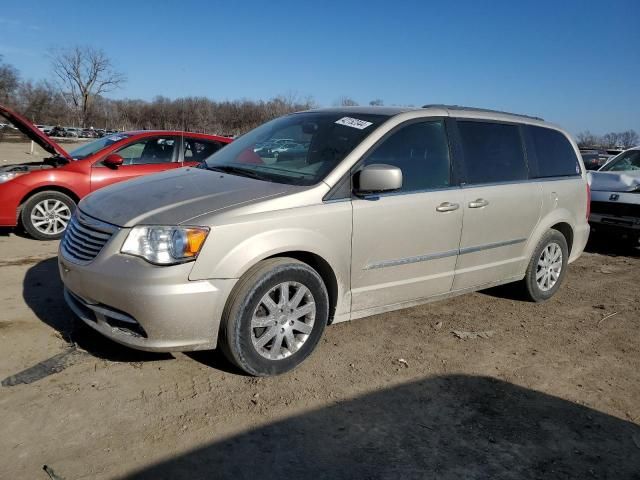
17	231
447	427
215	359
42	291
509	291
612	246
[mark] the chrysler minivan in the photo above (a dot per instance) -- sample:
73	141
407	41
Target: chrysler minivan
376	209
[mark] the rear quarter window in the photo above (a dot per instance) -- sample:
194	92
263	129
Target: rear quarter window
492	152
550	153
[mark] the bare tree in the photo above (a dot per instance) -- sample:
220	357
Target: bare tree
83	74
41	102
346	102
629	139
611	139
9	82
587	139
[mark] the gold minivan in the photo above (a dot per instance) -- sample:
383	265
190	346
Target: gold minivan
321	217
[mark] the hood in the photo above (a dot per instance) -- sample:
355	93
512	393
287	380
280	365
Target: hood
615	181
175	197
33	132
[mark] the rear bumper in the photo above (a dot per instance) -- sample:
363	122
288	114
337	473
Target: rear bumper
144	306
580	239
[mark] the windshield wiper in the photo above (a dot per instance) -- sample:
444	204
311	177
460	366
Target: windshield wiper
242	172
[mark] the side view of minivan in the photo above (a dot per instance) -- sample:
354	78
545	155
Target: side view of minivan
376	209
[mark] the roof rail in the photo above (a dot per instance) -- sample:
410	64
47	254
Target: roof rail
473	109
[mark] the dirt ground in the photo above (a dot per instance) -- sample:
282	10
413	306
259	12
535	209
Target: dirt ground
548	391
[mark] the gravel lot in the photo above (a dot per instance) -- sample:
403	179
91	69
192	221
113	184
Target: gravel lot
548	391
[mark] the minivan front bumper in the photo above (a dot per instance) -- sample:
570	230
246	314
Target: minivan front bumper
144	306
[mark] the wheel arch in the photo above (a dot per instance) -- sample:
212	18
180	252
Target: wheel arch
567	231
45	188
225	257
51	188
323	268
560	220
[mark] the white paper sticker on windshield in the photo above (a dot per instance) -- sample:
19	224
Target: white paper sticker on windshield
353	122
116	138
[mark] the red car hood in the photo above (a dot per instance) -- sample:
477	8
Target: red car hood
31	131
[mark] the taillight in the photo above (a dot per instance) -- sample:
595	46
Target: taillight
588	200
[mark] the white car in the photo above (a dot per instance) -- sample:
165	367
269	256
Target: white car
72	131
615	196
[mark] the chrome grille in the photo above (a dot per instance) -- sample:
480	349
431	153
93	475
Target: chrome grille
84	238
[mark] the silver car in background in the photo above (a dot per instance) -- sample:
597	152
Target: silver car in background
615	197
383	209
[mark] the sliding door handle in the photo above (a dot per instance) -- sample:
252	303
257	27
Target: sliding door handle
479	203
447	207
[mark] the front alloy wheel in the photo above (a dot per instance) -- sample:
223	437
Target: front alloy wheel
46	215
283	320
274	317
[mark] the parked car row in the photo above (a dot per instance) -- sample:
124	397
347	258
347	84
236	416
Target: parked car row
313	218
595	158
42	196
73	132
615	186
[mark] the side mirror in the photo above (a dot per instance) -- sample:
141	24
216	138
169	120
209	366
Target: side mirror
379	177
113	161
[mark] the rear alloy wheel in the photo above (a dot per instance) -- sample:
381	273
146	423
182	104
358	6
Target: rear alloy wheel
46	215
274	317
547	267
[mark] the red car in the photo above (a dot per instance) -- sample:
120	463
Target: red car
41	196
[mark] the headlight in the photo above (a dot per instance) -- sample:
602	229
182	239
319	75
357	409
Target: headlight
165	245
6	176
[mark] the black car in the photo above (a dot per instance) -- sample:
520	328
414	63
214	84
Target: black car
58	132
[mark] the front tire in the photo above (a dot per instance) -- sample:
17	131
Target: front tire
547	267
274	317
45	215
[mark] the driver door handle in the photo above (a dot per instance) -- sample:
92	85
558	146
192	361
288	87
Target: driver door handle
479	203
447	207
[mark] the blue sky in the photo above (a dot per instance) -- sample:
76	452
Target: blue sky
576	63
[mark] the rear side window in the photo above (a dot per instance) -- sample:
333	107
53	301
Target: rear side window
421	151
554	154
148	151
196	150
492	152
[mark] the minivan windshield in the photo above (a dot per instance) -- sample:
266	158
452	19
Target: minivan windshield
298	149
629	160
92	147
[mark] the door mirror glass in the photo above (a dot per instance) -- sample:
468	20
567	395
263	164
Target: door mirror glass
113	161
379	177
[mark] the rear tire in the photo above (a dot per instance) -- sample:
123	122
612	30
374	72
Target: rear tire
45	215
274	318
547	267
